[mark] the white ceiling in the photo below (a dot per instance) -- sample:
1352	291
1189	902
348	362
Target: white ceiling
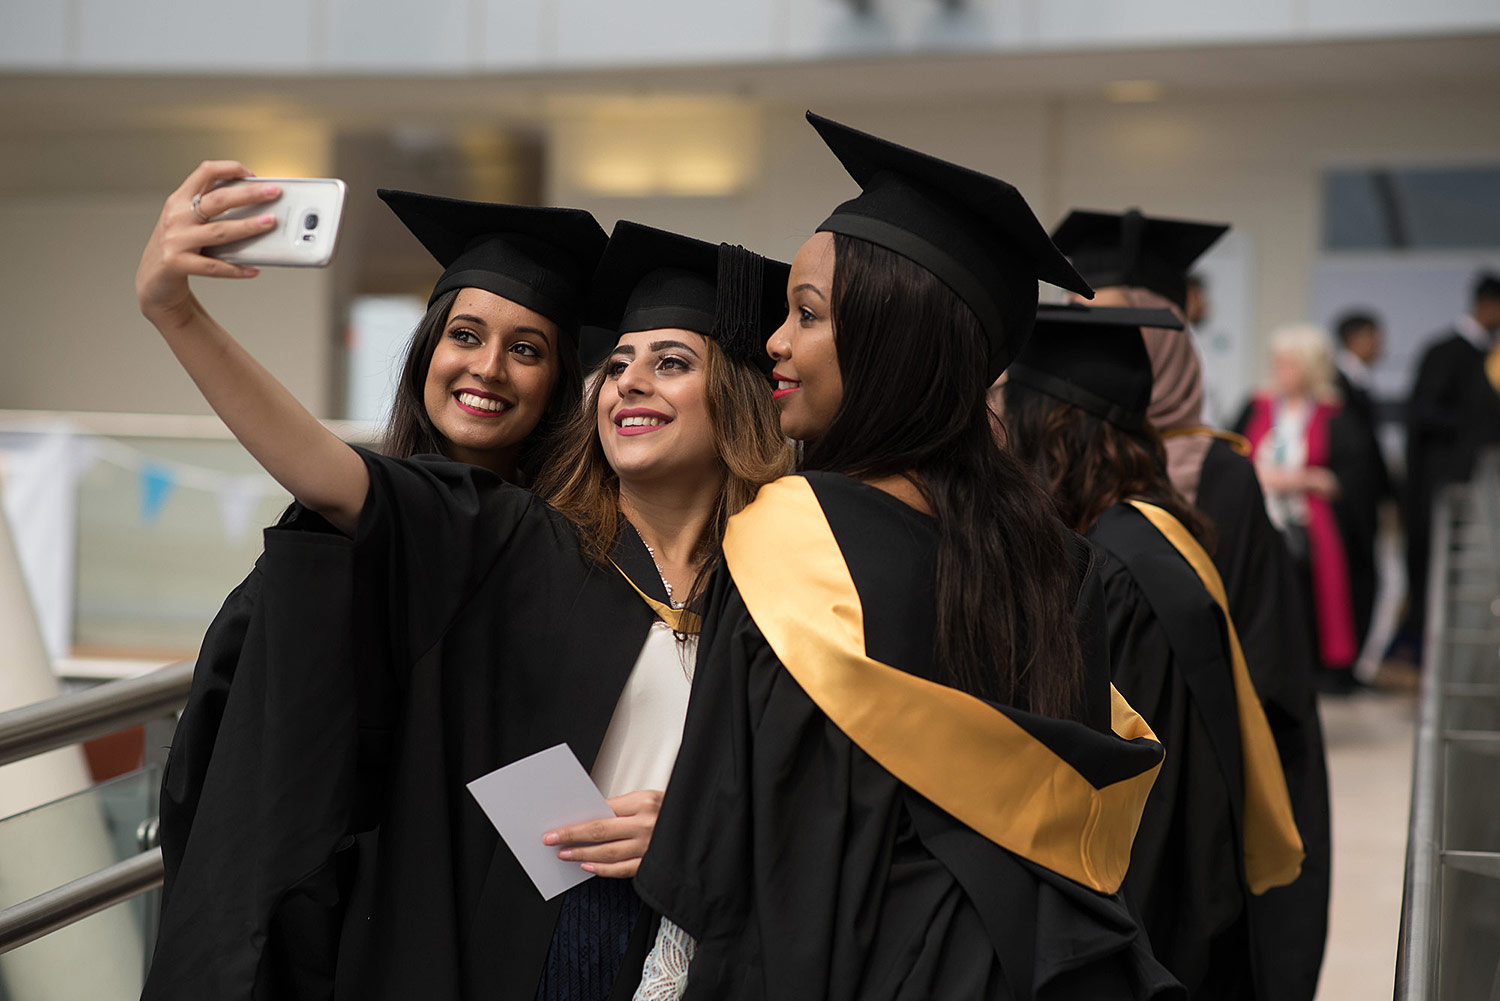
72	102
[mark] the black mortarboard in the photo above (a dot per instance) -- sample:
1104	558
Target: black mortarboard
650	279
1094	358
1136	250
539	257
973	231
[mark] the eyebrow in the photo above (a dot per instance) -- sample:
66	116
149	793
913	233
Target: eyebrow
664	345
811	288
479	321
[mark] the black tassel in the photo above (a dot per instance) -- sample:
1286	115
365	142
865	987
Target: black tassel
737	302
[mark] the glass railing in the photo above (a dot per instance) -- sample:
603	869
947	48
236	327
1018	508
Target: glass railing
1450	936
104	956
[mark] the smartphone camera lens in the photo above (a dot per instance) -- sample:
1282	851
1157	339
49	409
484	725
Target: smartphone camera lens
310	221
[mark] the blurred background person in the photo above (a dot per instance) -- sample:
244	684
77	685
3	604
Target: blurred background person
1289	427
1357	462
1453	412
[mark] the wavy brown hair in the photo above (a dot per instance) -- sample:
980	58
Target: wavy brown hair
578	480
1089	464
410	431
913	358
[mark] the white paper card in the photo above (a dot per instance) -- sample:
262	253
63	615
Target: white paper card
540	793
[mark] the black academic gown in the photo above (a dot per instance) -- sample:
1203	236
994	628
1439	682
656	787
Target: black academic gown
1452	414
1171	661
1263	592
1354	456
460	630
805	869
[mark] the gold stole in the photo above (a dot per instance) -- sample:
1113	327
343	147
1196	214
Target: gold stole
1238	442
961	753
1273	847
680	619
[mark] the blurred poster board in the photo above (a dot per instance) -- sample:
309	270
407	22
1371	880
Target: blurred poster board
1226	333
380	326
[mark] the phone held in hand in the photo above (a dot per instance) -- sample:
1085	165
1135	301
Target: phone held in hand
307	224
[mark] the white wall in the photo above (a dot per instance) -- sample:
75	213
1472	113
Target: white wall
1253	161
75	212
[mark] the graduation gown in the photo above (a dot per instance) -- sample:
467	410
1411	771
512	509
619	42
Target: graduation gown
1262	588
1173	661
1452	414
461	629
1355	458
821	836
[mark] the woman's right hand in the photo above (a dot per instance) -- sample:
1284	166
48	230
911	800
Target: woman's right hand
175	249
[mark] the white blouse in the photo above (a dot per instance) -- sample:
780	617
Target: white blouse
645	731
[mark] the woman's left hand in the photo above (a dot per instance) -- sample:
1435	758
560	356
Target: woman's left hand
611	847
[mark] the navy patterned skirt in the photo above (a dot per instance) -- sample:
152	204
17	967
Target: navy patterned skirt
588	945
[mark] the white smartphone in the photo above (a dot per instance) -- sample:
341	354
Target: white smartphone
307	224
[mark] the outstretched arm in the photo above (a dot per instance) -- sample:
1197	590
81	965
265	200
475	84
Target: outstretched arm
306	458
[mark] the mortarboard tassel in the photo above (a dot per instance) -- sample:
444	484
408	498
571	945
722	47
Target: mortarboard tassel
737	302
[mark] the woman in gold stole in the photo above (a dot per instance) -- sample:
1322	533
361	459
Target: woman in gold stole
1218	826
904	774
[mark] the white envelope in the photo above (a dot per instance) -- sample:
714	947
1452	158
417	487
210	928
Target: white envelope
540	793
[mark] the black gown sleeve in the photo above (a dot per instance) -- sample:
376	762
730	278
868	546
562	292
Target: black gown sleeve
429	532
1092	625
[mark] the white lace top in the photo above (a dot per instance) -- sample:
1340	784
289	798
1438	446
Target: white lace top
664	977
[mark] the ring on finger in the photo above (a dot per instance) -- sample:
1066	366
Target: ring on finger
197	212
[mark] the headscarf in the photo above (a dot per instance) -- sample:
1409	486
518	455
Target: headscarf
1176	394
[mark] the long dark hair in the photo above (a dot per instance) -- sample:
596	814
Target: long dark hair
410	431
913	360
579	482
1090	464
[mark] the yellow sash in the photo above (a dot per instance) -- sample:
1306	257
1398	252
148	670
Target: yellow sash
680	619
1238	442
1273	847
958	751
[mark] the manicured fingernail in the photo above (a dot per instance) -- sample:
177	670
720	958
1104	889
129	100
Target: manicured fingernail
550	838
270	189
266	219
588	867
565	854
251	272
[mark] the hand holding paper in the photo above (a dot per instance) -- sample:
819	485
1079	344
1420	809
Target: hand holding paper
541	793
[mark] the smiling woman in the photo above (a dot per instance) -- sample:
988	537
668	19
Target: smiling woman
682	416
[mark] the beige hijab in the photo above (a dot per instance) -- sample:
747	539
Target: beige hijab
1176	394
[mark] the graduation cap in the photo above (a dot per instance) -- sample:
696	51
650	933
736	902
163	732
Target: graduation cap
1136	250
974	232
1094	358
651	279
540	258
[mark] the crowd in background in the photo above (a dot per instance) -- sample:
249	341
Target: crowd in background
1314	433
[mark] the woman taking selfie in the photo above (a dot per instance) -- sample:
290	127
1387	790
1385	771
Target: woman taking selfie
473	388
898	778
1217	828
466	625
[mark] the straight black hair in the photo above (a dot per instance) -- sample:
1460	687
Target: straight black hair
410	431
913	360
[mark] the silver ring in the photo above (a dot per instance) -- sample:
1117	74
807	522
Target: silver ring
197	212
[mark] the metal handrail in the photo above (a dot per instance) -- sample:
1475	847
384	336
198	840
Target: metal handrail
1416	953
41	915
102	709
